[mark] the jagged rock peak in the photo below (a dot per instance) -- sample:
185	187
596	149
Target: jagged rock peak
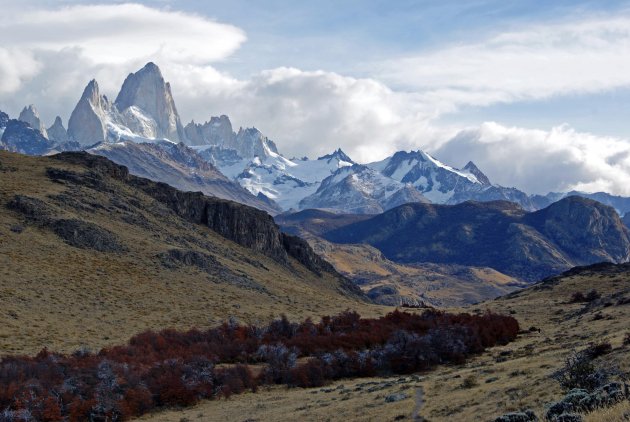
218	131
474	170
147	91
250	142
86	125
30	115
57	133
338	154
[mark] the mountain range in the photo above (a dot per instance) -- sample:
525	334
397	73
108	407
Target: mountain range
143	130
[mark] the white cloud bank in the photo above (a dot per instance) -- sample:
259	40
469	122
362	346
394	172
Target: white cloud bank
47	57
539	161
537	62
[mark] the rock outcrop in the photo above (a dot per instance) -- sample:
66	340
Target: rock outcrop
30	115
218	131
4	119
586	230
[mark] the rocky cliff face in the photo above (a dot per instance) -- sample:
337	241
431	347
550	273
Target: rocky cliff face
4	119
146	94
218	131
30	115
144	110
244	225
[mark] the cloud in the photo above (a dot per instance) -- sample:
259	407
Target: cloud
120	32
536	62
539	161
15	67
310	112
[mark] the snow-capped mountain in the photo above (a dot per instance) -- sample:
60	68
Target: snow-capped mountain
442	184
284	181
360	189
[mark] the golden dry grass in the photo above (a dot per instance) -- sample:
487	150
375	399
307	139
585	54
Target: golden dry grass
618	413
61	297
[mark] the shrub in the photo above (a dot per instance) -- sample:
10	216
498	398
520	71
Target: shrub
469	382
580	372
597	350
175	368
579	297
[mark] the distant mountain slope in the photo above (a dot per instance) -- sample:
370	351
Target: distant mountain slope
393	283
181	167
90	255
499	235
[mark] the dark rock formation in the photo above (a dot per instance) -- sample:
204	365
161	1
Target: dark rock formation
84	235
586	230
526	416
4	119
33	209
178	258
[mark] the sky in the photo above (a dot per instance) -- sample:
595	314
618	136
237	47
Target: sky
536	93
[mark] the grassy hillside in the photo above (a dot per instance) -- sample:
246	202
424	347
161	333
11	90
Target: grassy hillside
513	377
90	260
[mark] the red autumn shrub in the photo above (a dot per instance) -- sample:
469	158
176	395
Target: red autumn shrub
174	368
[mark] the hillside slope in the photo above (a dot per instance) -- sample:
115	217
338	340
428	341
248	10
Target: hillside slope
90	255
